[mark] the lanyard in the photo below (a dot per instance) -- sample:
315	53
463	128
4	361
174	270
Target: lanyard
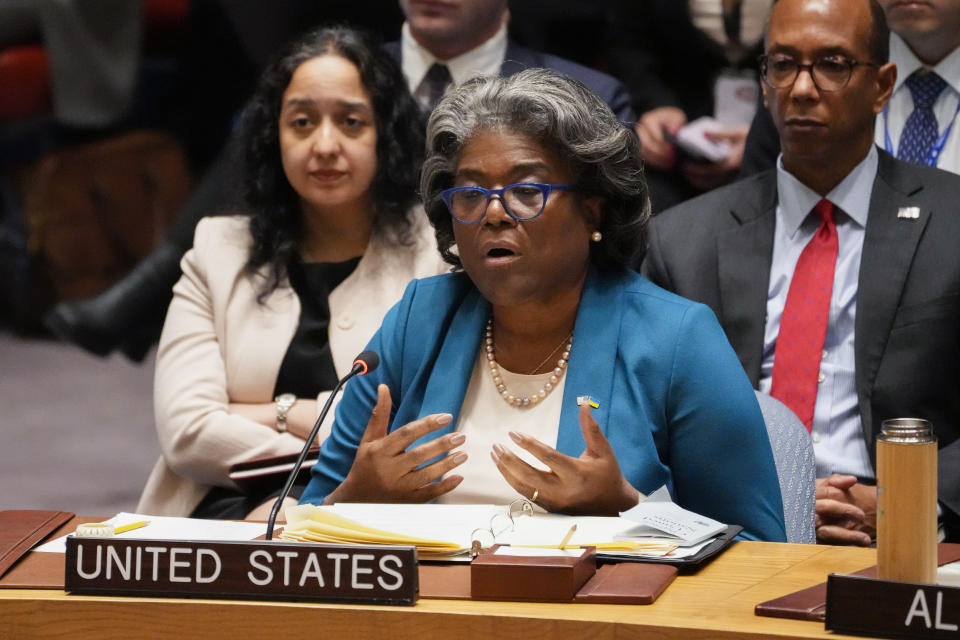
934	155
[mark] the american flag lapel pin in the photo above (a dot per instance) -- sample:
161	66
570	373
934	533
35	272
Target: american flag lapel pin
908	213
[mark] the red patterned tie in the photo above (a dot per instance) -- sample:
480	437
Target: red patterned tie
803	325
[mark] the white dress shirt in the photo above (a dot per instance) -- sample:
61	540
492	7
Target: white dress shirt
838	441
707	16
900	107
415	61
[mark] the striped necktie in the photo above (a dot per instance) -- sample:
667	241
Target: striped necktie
921	129
436	81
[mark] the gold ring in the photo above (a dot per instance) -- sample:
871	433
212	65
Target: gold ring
536	493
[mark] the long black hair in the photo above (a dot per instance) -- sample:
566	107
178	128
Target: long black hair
276	222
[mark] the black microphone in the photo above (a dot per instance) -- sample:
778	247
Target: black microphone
364	363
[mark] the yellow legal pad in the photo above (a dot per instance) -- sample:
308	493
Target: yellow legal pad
653	549
309	523
445	532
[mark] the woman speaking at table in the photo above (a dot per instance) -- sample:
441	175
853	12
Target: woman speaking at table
545	367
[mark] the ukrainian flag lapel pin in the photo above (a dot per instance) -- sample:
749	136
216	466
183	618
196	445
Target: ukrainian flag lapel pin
589	400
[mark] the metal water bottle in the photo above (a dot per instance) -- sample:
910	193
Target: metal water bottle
907	501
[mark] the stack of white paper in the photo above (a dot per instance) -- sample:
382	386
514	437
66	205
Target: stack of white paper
658	517
172	528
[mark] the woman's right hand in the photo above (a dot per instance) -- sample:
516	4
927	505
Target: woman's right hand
385	471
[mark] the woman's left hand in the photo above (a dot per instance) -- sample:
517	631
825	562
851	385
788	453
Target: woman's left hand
591	484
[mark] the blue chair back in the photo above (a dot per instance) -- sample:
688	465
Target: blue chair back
796	467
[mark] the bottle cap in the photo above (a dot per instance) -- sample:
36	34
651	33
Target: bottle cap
906	430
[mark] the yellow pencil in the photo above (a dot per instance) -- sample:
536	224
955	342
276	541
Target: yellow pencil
566	538
131	526
607	546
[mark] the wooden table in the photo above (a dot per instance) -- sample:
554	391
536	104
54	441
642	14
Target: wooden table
716	602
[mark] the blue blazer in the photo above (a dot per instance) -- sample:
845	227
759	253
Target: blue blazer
675	403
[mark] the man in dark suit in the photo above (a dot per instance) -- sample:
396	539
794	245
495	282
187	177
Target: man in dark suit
878	334
450	42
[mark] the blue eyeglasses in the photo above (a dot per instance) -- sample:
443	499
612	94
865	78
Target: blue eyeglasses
521	201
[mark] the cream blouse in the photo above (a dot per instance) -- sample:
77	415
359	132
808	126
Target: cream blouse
486	420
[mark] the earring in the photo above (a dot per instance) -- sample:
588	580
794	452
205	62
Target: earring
596	236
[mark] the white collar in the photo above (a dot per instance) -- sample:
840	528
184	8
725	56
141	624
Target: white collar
907	62
852	195
483	60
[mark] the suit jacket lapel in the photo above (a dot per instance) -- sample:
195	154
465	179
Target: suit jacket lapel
596	337
743	252
888	247
447	385
517	58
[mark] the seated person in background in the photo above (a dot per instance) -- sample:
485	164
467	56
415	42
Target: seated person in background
835	275
457	40
540	188
281	301
682	60
93	50
444	44
918	123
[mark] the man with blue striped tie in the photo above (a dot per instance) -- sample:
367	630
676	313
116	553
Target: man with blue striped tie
918	123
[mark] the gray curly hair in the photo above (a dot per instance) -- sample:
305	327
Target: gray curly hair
557	111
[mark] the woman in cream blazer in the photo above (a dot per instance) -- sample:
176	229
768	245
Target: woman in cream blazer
219	345
333	144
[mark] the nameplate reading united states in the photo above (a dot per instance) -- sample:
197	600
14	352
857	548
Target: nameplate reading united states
258	570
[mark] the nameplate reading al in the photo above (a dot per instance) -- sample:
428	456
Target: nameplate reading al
257	570
895	610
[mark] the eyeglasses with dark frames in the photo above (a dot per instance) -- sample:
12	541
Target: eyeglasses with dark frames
829	73
522	201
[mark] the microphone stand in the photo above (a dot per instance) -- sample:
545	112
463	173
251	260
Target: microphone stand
358	368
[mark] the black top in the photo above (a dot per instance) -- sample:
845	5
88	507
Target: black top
307	368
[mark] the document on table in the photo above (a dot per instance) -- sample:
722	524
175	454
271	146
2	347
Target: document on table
659	517
439	532
654	528
444	532
171	528
452	522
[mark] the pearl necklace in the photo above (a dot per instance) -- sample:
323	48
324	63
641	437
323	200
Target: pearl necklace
516	400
